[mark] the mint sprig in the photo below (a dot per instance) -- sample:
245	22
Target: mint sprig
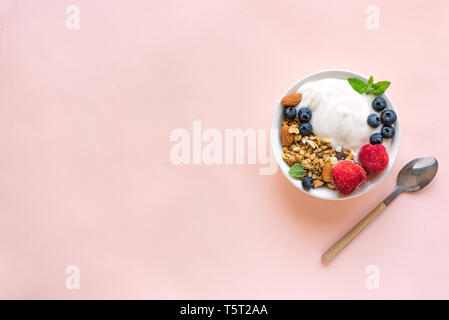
370	87
297	171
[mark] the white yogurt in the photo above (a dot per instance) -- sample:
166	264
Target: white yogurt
339	113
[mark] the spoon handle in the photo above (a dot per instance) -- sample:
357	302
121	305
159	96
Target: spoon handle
351	234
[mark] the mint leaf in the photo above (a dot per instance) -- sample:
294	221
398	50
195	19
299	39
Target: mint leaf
357	84
380	87
297	171
369	85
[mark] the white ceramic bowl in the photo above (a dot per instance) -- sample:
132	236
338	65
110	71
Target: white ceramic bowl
326	193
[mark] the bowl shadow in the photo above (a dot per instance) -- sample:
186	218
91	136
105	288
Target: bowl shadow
320	213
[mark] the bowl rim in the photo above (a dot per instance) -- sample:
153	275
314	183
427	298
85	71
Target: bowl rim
275	134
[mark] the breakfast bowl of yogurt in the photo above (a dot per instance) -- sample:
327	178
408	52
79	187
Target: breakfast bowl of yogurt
335	134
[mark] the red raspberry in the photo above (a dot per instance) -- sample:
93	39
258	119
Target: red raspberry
374	158
347	176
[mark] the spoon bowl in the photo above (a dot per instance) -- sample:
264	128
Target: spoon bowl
417	174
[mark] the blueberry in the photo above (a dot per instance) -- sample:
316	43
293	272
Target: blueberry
376	138
340	156
307	183
290	112
388	117
373	120
305	128
379	104
304	114
387	132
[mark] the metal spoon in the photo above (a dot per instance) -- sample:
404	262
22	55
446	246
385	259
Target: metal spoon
414	176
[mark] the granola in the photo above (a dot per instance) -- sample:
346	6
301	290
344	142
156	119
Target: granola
317	156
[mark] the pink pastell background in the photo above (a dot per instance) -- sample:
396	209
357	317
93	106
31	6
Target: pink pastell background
85	172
